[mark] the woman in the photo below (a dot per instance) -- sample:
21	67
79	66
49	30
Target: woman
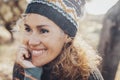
50	48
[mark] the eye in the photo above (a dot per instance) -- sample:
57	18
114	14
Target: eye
44	31
27	28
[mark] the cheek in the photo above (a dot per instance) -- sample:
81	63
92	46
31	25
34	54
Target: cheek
56	45
24	40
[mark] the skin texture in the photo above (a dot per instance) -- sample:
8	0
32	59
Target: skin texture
42	39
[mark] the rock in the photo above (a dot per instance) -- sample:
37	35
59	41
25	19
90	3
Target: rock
22	4
16	11
4	35
6	12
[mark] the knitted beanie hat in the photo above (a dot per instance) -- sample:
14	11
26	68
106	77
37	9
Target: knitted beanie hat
65	13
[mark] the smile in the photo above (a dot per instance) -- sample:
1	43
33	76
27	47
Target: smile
38	52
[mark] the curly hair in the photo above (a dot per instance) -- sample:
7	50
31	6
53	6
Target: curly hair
74	63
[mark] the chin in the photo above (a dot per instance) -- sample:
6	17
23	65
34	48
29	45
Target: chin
36	64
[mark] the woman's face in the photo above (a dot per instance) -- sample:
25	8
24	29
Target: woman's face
43	38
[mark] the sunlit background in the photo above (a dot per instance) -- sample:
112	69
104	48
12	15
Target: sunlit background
91	26
97	7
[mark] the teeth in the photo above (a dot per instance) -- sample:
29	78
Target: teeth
40	52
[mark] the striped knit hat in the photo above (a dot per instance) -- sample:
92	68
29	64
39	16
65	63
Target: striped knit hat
65	13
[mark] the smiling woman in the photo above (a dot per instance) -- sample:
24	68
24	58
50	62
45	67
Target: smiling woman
50	49
40	35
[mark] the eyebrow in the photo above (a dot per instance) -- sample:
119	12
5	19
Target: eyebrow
27	25
38	26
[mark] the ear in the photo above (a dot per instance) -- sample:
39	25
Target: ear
67	39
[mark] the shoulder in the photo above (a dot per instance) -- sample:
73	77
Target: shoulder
17	72
95	75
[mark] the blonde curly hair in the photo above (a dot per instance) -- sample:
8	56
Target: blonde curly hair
75	61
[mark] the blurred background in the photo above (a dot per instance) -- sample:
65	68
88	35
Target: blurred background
91	29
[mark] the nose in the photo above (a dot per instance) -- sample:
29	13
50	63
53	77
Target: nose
34	40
